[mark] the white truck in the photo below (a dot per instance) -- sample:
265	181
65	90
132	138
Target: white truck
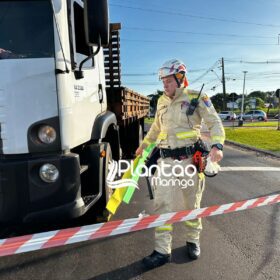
60	123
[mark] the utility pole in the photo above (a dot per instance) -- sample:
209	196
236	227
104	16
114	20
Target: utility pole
224	84
242	104
277	93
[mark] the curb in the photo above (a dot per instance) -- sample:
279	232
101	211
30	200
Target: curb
265	152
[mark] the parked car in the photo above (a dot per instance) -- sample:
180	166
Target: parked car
227	115
276	116
254	115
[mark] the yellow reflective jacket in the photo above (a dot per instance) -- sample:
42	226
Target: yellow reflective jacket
172	128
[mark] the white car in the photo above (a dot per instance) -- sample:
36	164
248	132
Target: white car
227	115
254	115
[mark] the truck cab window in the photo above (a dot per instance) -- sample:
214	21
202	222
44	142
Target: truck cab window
26	29
82	49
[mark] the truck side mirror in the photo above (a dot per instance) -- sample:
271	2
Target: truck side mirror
96	18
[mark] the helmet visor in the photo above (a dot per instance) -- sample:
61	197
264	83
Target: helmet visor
164	72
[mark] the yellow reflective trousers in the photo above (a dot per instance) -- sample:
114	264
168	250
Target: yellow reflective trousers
167	190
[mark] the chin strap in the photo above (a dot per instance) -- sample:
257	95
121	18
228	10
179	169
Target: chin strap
183	80
177	81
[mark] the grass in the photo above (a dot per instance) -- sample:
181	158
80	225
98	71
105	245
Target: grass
262	138
267	124
271	111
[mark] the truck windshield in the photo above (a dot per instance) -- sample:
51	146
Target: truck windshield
26	29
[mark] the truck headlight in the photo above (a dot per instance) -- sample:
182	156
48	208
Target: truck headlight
47	134
49	173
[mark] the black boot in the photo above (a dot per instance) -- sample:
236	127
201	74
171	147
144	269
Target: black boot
193	250
156	259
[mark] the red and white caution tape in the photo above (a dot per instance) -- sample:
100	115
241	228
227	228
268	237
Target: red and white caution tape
56	238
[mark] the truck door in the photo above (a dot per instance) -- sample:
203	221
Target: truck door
88	98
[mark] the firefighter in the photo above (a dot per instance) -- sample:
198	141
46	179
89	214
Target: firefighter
176	130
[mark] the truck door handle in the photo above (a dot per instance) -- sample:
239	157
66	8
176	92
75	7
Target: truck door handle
100	93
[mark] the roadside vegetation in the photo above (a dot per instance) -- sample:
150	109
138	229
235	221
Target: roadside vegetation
261	124
262	138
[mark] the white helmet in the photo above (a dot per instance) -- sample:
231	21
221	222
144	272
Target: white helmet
172	67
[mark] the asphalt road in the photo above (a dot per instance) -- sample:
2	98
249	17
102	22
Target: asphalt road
244	245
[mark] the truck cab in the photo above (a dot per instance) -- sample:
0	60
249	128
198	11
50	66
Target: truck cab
56	130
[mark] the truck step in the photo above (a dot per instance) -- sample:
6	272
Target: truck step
83	168
88	199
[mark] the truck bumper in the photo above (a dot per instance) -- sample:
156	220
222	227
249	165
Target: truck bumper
25	197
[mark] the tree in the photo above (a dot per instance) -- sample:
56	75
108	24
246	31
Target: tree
217	101
154	100
248	103
233	96
259	102
257	94
269	96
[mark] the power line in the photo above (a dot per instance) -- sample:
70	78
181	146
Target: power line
206	83
270	75
199	33
217	85
249	79
206	72
259	74
197	70
139	74
267	75
199	43
156	74
143	84
193	16
235	76
156	84
253	62
257	78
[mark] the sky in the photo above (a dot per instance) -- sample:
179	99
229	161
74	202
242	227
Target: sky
200	32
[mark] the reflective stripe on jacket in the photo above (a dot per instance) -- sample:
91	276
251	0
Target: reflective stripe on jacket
172	127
